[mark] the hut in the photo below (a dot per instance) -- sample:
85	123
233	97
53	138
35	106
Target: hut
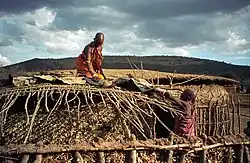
55	117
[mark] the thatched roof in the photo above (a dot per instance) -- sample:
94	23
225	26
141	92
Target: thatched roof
64	114
164	77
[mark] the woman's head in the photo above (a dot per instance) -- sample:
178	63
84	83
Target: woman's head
188	95
99	39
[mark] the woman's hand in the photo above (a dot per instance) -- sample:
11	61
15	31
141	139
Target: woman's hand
98	76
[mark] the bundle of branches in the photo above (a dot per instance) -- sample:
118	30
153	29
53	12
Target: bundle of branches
64	114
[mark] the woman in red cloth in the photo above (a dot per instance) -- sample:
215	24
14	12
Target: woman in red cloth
185	125
89	63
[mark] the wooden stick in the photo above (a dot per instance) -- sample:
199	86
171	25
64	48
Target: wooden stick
25	159
125	127
233	126
154	130
158	78
77	157
204	120
200	121
132	154
38	158
229	155
34	148
182	157
203	157
33	118
215	118
239	117
187	80
9	158
26	108
170	152
239	150
228	118
209	117
131	66
101	156
142	70
247	153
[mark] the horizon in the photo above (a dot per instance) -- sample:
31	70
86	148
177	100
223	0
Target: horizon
59	29
129	56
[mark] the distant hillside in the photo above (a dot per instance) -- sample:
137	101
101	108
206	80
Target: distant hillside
161	63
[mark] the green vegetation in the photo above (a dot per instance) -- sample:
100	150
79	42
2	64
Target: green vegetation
161	63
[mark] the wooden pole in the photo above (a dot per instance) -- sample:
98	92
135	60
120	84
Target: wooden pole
209	119
217	118
158	78
239	151
78	158
170	152
233	126
229	155
38	159
25	159
228	118
239	117
247	154
132	158
203	157
101	156
182	157
200	120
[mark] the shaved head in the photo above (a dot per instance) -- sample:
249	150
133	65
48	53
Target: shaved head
99	39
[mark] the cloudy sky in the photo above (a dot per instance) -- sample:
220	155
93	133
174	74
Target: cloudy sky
213	29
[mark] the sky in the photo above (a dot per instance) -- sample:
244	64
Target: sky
211	29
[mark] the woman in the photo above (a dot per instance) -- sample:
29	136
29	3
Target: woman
185	125
89	63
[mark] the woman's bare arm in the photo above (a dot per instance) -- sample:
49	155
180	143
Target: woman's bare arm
88	61
166	94
175	100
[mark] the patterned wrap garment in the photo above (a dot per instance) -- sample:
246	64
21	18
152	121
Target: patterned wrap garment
95	61
185	125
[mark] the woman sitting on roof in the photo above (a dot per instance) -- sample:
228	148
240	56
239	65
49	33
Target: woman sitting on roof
89	63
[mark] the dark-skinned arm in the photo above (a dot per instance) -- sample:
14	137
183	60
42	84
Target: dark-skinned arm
175	100
167	95
101	70
88	61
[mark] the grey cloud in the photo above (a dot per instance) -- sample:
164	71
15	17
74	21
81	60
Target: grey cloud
11	32
156	19
6	42
140	8
72	19
19	6
176	32
157	9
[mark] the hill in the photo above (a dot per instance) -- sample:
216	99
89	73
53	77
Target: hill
161	63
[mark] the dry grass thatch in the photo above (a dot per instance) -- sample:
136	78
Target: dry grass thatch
164	77
211	100
57	114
